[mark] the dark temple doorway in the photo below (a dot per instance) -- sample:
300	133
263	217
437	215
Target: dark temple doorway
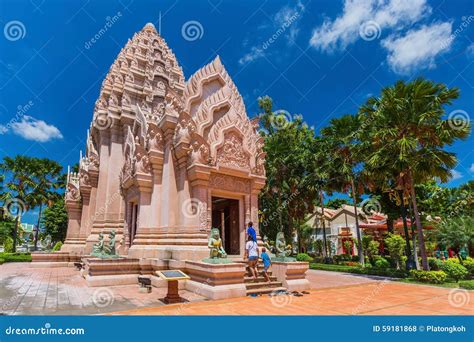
225	216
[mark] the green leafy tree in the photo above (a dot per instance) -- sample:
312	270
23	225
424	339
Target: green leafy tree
396	247
290	191
336	203
7	225
48	178
19	187
407	136
342	143
455	233
55	220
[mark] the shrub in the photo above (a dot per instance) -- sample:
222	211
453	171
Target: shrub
435	264
342	257
59	244
469	264
299	256
467	284
433	277
396	247
381	262
454	270
2	261
15	257
8	245
360	270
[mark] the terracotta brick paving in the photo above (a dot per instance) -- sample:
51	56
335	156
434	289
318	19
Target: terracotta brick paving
26	290
375	298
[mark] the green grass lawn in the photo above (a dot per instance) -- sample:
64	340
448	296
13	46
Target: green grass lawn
448	284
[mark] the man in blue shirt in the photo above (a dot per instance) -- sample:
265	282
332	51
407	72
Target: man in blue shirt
251	231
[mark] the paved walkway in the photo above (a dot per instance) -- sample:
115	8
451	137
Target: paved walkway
25	290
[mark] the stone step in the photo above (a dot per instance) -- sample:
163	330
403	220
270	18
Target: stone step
263	285
265	290
248	279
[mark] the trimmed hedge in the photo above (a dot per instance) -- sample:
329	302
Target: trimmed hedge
467	284
360	270
303	257
15	257
433	277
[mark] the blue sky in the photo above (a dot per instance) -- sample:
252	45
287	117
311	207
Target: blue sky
321	59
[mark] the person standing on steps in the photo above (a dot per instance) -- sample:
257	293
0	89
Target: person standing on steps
266	263
251	231
251	254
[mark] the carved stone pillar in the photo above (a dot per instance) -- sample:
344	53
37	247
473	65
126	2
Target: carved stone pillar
99	212
114	207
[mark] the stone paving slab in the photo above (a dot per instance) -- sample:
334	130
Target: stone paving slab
26	290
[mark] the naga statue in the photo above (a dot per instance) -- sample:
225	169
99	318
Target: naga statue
215	245
282	250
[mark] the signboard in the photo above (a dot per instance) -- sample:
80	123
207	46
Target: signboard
172	275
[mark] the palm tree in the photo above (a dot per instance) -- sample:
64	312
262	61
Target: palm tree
407	135
20	185
341	137
47	175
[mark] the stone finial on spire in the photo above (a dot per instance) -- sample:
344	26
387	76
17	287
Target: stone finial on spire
149	27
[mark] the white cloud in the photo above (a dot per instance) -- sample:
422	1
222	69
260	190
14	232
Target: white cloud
456	175
285	24
418	47
3	129
337	34
37	130
470	50
472	168
255	53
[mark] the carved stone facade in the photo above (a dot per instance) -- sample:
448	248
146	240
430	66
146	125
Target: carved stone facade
157	144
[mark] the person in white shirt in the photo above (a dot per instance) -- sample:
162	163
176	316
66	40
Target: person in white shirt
251	254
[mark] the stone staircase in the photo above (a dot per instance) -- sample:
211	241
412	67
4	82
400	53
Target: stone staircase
261	286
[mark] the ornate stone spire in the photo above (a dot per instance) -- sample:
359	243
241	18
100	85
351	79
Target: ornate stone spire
143	73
